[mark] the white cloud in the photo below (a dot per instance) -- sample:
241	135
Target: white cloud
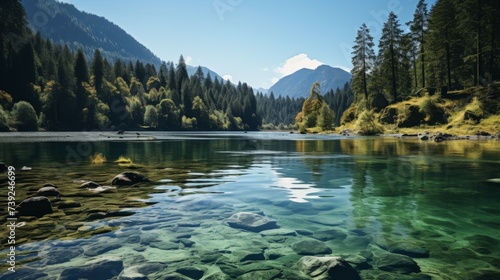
295	63
265	69
188	60
227	77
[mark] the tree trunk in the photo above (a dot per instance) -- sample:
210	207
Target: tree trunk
393	66
423	58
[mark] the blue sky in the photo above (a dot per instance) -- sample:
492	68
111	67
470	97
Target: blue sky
253	41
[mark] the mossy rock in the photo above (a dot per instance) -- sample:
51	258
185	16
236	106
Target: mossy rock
378	102
472	117
410	117
349	115
388	115
437	116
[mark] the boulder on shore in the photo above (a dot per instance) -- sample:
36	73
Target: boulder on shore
37	206
251	222
129	178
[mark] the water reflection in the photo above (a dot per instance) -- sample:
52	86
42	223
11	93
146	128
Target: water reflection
435	194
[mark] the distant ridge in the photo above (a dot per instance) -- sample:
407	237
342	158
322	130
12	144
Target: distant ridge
63	23
298	84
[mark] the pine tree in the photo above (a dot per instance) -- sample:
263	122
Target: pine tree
362	60
98	70
418	27
181	73
443	42
81	71
389	52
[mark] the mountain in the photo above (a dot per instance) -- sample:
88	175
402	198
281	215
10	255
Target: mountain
298	84
192	70
261	90
65	24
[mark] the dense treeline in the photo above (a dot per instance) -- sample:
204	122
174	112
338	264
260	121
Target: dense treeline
50	87
280	112
453	46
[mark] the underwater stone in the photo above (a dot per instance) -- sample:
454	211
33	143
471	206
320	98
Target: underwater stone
278	232
100	269
397	263
62	255
89	185
310	247
36	206
129	178
329	234
409	249
191	272
327	268
101	248
48	191
24	273
251	222
68	204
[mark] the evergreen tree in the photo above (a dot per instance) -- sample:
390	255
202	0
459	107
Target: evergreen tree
362	60
418	28
389	52
443	42
98	70
181	73
81	71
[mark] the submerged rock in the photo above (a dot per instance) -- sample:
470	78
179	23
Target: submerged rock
409	249
129	178
310	247
37	206
191	272
96	270
48	191
327	268
102	189
89	185
251	222
397	263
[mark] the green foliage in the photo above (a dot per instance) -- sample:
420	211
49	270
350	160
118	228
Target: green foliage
362	61
24	117
3	119
367	125
98	70
151	116
5	99
188	123
315	112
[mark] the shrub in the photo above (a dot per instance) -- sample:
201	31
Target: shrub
24	117
366	124
97	158
151	116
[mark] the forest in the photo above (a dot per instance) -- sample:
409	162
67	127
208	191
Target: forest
454	46
47	86
451	47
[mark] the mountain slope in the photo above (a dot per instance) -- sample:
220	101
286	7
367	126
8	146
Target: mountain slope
192	70
299	83
65	24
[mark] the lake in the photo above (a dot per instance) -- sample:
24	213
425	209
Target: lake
393	208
